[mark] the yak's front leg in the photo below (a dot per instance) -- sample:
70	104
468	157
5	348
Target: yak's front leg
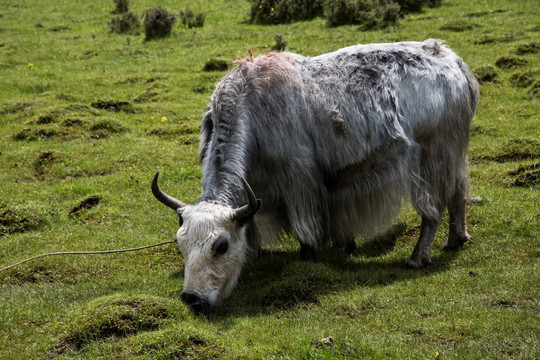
420	256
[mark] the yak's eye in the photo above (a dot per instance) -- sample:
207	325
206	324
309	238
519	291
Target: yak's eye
221	245
180	220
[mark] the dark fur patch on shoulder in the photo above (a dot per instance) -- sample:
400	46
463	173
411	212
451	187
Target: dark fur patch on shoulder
207	128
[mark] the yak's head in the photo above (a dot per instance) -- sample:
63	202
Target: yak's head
212	238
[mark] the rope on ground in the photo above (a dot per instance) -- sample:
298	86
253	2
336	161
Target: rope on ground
88	253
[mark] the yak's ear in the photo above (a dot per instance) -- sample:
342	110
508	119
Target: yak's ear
247	219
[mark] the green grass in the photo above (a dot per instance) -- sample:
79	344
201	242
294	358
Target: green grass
86	114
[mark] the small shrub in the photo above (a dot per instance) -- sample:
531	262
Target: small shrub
122	6
366	13
408	6
216	65
158	23
192	20
284	11
128	23
508	62
485	73
337	12
388	13
280	44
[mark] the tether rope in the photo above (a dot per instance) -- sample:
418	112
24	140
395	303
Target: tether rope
88	253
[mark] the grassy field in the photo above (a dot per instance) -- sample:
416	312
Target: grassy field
87	117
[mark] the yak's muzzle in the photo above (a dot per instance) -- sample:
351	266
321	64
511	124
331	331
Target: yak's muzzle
198	304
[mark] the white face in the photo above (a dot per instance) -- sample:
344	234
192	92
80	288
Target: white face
214	248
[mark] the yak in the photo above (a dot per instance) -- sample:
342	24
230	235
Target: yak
325	149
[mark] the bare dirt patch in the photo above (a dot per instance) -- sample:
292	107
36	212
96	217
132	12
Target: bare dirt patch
514	150
216	65
114	316
510	62
526	176
525	78
40	273
528	48
484	39
73	122
43	133
43	161
17	220
148	95
485	73
58	28
174	131
105	127
458	25
85	204
535	88
303	283
113	106
14	108
173	343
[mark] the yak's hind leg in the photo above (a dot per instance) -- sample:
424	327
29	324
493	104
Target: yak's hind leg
458	235
428	186
442	182
420	256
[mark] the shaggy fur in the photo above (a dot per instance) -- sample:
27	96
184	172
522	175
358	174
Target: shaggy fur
333	144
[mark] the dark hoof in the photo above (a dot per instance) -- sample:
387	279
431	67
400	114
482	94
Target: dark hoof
351	249
455	243
307	253
417	263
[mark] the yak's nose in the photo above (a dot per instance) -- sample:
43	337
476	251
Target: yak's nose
198	304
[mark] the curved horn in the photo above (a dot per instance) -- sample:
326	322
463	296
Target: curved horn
250	208
171	202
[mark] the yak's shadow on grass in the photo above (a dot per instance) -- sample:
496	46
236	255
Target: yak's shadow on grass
278	281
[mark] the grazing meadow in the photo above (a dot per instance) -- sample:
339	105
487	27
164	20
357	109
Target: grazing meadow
87	117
